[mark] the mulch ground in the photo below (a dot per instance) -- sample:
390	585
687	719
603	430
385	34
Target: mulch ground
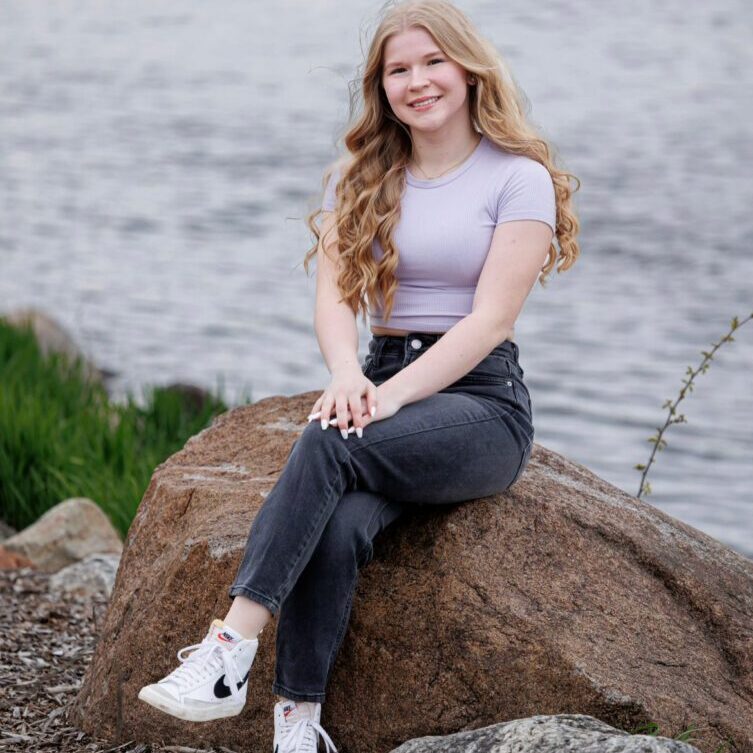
45	647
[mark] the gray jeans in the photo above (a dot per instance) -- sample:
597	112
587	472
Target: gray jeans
317	526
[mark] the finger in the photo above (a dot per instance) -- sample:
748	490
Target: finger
325	412
333	421
356	409
316	411
371	399
341	402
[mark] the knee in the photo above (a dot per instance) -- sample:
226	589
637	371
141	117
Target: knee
316	441
346	535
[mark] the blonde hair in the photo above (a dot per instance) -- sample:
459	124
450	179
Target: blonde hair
379	146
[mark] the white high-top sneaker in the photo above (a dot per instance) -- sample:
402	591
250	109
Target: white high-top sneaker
211	682
297	731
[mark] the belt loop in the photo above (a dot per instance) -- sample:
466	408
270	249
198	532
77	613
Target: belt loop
379	341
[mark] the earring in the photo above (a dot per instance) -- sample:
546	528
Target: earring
471	80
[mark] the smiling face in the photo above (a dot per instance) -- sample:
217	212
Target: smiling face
414	68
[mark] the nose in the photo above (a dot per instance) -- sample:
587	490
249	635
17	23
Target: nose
418	80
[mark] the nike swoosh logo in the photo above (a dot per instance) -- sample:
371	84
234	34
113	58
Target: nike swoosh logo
221	690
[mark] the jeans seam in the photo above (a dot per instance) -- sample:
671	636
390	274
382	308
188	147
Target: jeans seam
364	549
340	630
521	468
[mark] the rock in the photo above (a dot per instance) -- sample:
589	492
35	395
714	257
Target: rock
13	561
562	733
66	534
194	398
53	338
6	531
563	595
93	577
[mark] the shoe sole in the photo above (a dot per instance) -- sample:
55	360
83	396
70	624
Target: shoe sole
188	714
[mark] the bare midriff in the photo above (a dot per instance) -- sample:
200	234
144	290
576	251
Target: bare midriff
397	332
403	332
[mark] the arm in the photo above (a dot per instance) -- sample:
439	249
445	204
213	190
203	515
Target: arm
516	255
334	320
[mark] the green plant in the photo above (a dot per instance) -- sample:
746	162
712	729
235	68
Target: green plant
61	436
686	736
677	418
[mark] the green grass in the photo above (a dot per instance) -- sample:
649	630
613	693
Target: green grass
688	736
61	436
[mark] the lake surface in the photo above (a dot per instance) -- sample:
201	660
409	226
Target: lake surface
158	160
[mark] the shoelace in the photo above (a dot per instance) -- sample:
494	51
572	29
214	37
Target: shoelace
301	738
193	667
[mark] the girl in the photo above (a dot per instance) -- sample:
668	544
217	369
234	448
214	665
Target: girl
443	216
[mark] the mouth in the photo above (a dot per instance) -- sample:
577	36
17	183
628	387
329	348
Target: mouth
425	104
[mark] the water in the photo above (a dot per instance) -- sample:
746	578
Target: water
158	160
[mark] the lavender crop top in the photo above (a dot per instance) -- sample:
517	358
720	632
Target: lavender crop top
445	231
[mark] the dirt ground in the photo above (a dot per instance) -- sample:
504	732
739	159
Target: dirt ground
45	648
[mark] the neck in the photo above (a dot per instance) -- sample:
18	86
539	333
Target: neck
435	152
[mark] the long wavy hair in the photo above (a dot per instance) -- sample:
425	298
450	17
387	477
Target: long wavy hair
379	148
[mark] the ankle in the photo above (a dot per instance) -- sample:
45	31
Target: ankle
248	634
307	707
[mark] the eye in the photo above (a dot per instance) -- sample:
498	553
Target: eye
433	60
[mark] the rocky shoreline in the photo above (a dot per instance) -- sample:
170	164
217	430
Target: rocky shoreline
46	645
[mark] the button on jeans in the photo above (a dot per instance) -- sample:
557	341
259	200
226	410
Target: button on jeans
317	526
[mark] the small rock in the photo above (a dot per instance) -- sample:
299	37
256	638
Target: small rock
94	576
13	561
52	338
65	534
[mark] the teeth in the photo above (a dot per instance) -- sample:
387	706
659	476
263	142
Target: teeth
425	102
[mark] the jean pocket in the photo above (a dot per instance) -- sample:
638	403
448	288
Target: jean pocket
522	396
493	369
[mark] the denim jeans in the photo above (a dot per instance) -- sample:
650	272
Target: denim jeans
318	523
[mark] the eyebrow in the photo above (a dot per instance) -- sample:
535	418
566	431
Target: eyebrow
427	55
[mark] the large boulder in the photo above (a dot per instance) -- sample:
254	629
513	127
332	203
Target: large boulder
65	534
564	595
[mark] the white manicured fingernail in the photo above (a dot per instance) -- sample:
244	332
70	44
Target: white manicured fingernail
324	423
333	421
373	410
359	432
344	433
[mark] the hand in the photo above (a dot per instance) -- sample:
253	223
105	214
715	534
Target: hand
351	395
384	405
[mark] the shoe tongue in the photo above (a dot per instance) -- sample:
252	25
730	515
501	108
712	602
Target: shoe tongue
224	634
293	711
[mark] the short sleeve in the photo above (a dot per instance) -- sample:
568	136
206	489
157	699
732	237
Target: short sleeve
527	193
329	200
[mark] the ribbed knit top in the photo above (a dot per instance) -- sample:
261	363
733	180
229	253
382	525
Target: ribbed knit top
445	230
